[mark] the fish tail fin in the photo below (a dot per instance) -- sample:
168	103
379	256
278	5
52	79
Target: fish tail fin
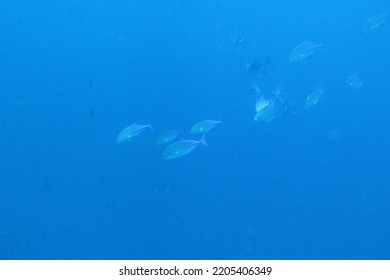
203	140
149	125
268	60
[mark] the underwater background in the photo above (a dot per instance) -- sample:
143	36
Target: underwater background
311	185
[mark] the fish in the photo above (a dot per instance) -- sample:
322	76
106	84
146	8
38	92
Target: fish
278	92
354	81
130	132
167	136
261	103
284	105
290	108
91	112
314	98
255	89
303	51
182	148
266	111
269	109
374	23
236	39
204	126
257	68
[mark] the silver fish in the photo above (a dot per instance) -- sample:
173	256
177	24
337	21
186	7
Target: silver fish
204	126
278	92
262	103
354	81
278	105
267	112
314	98
303	50
167	136
255	89
374	22
236	39
290	108
131	131
182	148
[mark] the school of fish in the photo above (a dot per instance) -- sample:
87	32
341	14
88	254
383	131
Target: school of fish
267	106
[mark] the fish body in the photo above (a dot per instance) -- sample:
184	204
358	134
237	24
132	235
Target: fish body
257	68
167	137
256	89
314	98
354	81
254	68
269	109
374	22
290	108
303	51
182	148
267	112
262	103
278	92
204	126
236	39
128	133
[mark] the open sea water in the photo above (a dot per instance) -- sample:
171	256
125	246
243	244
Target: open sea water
304	184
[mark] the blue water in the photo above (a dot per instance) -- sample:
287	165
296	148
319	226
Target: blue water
73	74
